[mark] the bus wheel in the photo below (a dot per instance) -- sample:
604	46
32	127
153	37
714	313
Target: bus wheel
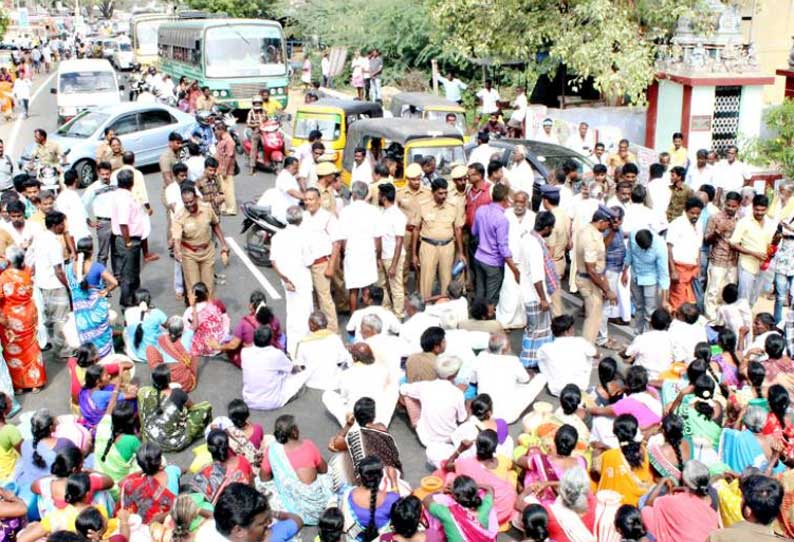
86	174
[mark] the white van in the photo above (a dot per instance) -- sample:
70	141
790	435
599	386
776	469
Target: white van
85	83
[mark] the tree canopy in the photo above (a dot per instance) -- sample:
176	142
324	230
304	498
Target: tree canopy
234	8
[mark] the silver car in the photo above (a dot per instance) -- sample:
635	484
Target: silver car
142	128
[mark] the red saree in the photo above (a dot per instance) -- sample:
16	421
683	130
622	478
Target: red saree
20	346
184	366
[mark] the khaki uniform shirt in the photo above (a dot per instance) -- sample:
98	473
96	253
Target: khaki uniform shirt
327	199
590	249
459	199
560	234
211	191
103	152
439	221
195	229
49	153
420	366
116	161
167	160
410	202
205	104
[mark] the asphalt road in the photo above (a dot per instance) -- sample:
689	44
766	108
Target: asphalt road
219	381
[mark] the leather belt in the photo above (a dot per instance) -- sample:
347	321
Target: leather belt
323	259
410	228
436	242
587	275
102	219
194	248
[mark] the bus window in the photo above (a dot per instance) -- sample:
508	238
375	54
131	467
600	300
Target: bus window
244	50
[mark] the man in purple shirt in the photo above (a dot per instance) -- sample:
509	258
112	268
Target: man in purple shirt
491	227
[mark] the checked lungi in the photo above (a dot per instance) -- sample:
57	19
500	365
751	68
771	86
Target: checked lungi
536	334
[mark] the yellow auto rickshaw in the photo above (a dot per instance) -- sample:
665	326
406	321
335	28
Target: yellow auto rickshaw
403	142
422	105
333	118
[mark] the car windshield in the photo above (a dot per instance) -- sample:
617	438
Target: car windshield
445	156
244	51
88	81
83	125
330	125
124	47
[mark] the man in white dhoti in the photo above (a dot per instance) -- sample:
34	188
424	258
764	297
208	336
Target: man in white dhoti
510	309
359	231
290	253
322	354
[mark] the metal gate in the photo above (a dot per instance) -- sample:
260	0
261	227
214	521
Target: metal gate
725	126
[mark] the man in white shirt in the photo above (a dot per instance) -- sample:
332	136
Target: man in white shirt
373	304
639	216
362	168
684	239
443	408
22	231
22	90
483	151
519	172
546	133
325	68
46	256
307	176
98	200
320	226
69	203
364	379
287	183
686	331
582	141
195	162
417	322
520	105
392	254
653	349
500	374
658	189
731	173
489	99
568	359
700	172
389	350
322	354
453	87
290	253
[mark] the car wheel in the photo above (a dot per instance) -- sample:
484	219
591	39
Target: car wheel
86	174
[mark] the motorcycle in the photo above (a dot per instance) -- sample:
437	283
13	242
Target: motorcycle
259	227
273	143
48	175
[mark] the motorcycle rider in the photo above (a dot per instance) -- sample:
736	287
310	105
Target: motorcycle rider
202	134
256	116
46	152
271	107
205	102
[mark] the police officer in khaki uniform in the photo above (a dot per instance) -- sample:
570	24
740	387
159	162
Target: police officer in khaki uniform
457	192
590	279
46	151
436	237
326	176
192	228
559	241
409	199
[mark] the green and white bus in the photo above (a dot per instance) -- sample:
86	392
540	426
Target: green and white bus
143	36
235	58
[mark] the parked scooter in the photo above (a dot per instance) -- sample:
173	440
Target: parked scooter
259	226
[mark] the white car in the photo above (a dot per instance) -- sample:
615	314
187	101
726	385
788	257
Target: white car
122	57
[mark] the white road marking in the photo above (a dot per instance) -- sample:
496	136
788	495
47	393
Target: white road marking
12	140
253	269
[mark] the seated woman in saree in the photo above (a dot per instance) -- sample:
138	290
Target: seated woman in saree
610	386
143	325
625	469
19	321
208	320
365	507
13	515
173	349
748	447
168	416
482	418
10	441
640	401
243	334
727	360
490	470
683	516
52	489
668	451
226	468
542	469
778	423
116	444
100	394
466	513
245	437
188	513
89	284
702	415
753	393
541	424
151	492
362	436
299	477
85	357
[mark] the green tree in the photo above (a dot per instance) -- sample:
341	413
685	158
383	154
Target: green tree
234	8
778	150
4	22
614	42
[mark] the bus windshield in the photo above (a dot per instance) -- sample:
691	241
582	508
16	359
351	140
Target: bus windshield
93	81
147	36
244	51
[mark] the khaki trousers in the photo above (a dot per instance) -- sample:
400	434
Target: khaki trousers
435	260
556	297
229	198
718	277
396	301
408	240
199	267
322	287
593	307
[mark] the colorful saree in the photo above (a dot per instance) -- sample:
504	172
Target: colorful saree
306	500
91	310
20	345
213	479
644	406
447	519
681	517
698	426
212	325
741	449
183	365
93	404
659	461
617	475
541	469
171	427
145	496
114	464
501	479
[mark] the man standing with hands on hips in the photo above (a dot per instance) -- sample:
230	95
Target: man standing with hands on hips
591	264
